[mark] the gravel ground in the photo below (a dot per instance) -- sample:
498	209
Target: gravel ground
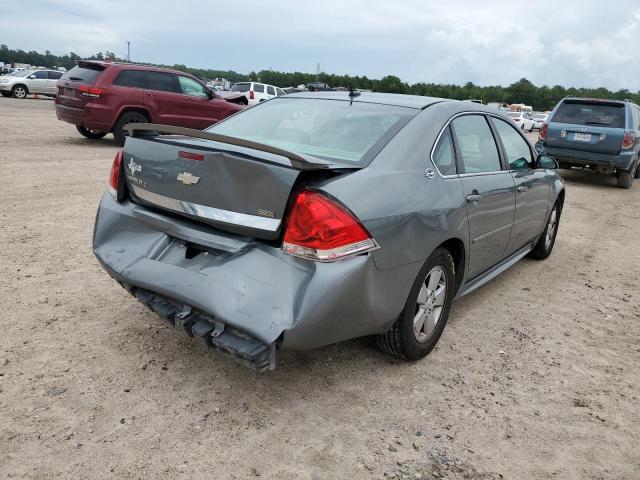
536	376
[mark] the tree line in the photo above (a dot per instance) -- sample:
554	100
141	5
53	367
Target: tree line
522	91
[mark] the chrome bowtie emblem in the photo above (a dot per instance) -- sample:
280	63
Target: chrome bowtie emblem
187	178
134	167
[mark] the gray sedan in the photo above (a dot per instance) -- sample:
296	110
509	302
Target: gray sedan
316	218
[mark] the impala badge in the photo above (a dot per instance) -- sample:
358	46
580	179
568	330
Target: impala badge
187	178
134	167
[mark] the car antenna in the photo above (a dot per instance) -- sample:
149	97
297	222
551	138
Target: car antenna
352	94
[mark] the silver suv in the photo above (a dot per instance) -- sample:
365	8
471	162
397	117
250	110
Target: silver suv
25	82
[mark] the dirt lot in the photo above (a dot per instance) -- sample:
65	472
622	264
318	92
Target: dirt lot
536	376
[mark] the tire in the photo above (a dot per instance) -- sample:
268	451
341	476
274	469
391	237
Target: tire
531	129
637	174
90	134
545	243
5	94
127	117
401	340
19	91
625	179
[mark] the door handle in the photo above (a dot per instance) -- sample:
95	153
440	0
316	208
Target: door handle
522	188
151	94
474	198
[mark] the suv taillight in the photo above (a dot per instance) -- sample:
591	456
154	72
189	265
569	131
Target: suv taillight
114	176
544	130
321	229
88	91
251	94
628	140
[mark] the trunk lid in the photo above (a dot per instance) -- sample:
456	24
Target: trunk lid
235	188
85	73
588	125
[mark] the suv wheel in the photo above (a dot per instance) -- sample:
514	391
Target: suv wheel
91	134
127	117
547	240
19	91
625	179
420	325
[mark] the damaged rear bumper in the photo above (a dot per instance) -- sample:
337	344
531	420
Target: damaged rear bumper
249	286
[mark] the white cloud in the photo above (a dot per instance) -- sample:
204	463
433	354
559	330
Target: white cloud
492	42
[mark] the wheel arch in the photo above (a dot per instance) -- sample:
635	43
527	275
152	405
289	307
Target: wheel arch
20	85
127	109
457	249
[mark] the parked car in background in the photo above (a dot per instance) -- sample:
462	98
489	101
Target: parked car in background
261	232
602	135
539	119
524	120
257	92
6	70
318	87
101	97
19	84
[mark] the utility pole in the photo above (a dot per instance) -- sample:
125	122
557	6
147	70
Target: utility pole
128	51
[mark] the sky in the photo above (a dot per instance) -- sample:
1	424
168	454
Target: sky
491	42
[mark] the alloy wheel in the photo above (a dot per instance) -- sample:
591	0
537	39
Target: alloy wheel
430	304
551	228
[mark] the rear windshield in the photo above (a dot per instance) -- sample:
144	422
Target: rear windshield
87	73
591	113
241	87
330	129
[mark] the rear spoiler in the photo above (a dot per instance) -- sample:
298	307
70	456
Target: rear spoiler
300	162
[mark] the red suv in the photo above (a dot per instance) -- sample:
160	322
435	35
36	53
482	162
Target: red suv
102	97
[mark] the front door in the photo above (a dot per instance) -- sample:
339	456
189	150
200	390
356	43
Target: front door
489	190
38	82
200	108
532	186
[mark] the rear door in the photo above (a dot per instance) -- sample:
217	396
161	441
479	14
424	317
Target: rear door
588	125
202	111
489	190
52	84
164	100
532	186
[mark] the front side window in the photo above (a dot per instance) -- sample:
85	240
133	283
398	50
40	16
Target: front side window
515	147
331	129
40	75
131	78
160	81
190	87
444	157
476	144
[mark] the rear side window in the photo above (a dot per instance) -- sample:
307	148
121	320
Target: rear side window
443	156
271	90
160	81
258	88
241	87
515	147
87	73
591	113
477	146
54	75
131	78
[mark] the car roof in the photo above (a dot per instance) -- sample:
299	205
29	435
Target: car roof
131	66
394	99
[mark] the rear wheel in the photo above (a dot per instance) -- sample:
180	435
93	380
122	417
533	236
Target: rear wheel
625	179
19	91
547	240
91	134
420	325
127	117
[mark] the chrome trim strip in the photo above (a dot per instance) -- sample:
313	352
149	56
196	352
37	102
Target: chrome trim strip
210	213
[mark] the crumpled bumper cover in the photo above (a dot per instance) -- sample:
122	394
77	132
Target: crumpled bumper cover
251	286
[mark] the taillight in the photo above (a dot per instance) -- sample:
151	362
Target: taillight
251	94
114	176
628	140
544	130
321	229
88	91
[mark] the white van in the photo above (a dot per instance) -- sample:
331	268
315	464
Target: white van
257	92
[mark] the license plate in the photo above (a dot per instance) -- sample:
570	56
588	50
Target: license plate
582	137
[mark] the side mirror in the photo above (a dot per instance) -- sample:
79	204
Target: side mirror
32	77
210	94
547	162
